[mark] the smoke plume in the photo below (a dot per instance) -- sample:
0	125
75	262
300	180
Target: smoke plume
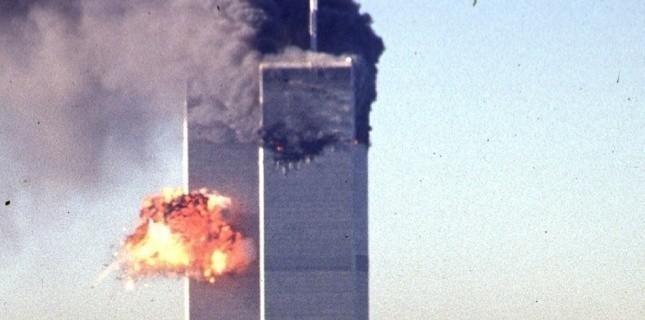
342	30
221	111
77	76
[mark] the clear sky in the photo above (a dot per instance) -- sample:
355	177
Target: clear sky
506	176
507	160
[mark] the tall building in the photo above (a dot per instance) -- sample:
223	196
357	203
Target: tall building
232	170
314	218
310	222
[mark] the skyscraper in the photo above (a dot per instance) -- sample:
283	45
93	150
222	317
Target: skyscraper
231	169
314	218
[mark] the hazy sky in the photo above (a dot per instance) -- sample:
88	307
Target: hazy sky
506	176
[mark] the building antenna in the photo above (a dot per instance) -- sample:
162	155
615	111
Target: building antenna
313	24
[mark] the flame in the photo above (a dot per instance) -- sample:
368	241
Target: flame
218	261
185	235
159	246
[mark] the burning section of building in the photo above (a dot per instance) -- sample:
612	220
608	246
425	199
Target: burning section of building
186	235
303	132
295	145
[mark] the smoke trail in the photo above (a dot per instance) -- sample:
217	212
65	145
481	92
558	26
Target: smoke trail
77	77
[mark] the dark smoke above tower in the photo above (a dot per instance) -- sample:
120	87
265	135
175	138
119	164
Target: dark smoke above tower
282	31
342	29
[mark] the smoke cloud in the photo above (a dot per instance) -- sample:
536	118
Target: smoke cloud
342	29
221	111
77	76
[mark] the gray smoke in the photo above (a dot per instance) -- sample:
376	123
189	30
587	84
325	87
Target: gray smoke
77	76
74	76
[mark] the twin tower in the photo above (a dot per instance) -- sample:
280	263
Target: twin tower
310	224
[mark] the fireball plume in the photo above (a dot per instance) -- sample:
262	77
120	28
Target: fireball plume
185	235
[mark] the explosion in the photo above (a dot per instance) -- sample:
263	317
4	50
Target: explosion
185	235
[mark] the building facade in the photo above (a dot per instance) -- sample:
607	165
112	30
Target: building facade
314	250
232	170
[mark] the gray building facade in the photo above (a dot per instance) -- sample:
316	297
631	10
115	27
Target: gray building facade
314	218
232	170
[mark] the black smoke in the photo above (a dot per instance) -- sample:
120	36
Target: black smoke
343	30
283	25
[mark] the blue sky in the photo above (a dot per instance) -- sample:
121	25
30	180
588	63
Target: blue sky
506	175
507	157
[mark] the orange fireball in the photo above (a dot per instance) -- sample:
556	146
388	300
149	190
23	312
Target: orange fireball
186	234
